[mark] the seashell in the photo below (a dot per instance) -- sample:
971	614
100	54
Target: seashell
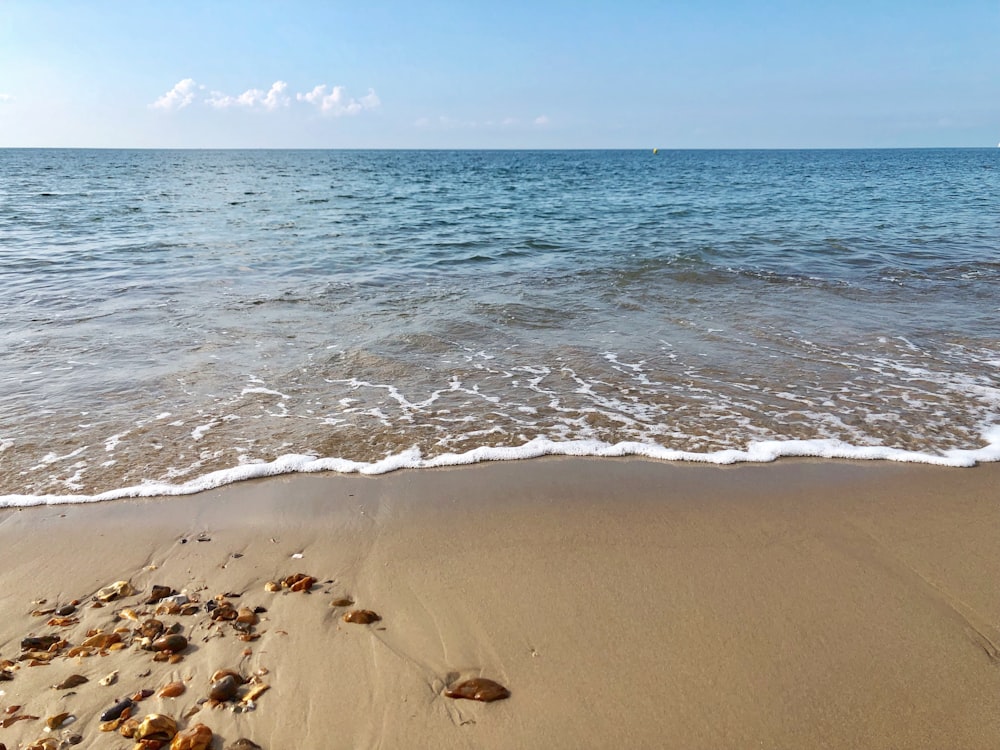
175	642
478	689
342	602
171	689
72	681
361	617
116	711
128	614
150	629
110	679
224	689
54	722
101	640
116	590
198	737
156	727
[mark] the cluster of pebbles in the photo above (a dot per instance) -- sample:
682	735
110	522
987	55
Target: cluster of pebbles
153	627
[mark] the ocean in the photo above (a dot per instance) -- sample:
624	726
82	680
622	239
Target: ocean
177	320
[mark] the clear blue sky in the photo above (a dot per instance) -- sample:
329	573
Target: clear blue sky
627	74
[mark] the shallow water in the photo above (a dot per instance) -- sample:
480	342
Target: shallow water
170	314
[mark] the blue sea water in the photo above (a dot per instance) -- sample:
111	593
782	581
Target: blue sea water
173	320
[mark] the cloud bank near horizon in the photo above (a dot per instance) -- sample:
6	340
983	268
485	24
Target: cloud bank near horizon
334	103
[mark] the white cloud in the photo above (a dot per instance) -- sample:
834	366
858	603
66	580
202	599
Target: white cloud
6	97
542	120
337	103
254	98
180	96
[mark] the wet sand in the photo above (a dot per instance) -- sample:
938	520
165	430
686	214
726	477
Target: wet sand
622	602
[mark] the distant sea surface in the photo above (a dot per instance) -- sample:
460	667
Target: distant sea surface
176	320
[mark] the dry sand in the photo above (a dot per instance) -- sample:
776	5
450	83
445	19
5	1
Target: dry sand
624	603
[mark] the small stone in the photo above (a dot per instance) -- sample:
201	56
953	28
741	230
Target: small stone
151	628
171	689
361	617
70	682
272	586
40	643
54	722
156	727
101	640
159	592
244	744
117	710
198	737
47	743
174	643
66	611
342	602
478	689
117	590
224	689
247	616
110	679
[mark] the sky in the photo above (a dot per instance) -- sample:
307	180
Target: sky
512	74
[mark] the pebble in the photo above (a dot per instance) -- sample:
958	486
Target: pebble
171	689
116	710
198	737
224	689
173	642
156	727
361	617
244	744
72	681
478	689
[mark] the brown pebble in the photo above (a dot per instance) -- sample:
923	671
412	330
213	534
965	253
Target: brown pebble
72	681
54	722
151	628
224	689
478	689
361	617
244	744
342	602
173	643
66	611
158	592
198	737
171	689
101	640
156	727
247	616
46	743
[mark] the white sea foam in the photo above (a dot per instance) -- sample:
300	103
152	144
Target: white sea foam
763	451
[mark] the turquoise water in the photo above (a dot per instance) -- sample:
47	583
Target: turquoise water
176	319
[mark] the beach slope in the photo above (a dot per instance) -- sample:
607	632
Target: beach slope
622	602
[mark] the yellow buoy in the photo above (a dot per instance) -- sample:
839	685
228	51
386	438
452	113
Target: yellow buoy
656	150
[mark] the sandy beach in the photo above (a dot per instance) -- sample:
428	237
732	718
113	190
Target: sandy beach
623	603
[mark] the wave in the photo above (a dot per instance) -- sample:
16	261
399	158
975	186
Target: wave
756	452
